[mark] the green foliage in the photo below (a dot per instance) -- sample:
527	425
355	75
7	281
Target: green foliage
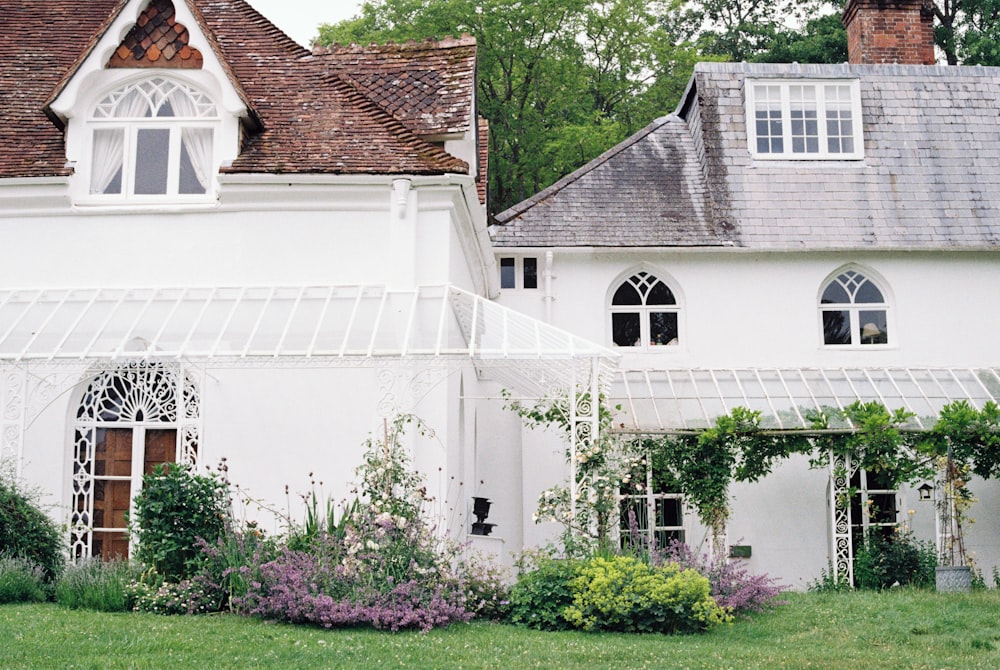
26	531
541	595
389	483
830	581
705	465
151	593
601	463
885	560
97	585
974	436
173	510
21	580
622	593
877	442
823	40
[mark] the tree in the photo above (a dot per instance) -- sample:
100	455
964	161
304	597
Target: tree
823	40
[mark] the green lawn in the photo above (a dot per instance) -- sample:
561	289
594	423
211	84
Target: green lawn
859	631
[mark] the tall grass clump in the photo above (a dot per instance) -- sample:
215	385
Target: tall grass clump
95	585
21	580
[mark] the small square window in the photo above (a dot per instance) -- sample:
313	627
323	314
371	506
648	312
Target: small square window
519	272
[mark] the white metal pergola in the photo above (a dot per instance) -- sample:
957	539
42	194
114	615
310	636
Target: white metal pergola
682	401
52	338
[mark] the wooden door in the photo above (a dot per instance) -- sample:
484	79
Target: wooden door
112	491
113	456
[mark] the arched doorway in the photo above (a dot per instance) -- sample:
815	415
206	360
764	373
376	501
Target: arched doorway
130	419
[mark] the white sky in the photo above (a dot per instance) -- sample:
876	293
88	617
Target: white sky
300	18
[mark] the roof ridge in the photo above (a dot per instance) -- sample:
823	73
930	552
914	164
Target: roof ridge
593	164
447	42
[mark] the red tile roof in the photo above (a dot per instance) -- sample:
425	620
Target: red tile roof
314	117
429	86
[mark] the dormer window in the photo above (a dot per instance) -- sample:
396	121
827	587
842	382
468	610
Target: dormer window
151	140
804	119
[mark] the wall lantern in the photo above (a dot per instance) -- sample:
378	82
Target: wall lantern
925	490
481	510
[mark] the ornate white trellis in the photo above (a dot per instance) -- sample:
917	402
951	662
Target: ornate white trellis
134	392
841	540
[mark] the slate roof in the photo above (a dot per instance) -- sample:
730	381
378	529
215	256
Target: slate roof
649	190
306	117
930	177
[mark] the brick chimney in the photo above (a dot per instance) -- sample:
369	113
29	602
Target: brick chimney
890	31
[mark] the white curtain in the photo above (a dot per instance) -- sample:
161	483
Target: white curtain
109	143
197	141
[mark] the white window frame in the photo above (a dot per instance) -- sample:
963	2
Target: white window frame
854	310
645	312
131	127
785	87
519	283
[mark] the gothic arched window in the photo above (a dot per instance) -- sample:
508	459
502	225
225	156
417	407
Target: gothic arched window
644	313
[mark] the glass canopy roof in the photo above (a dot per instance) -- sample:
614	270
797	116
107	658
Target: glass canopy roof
689	399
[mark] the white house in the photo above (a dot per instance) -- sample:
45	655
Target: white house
220	245
792	236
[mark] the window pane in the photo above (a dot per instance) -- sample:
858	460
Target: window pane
767	113
106	160
530	273
867	292
836	327
668	512
189	182
152	154
839	119
196	160
873	327
660	294
627	294
507	276
662	328
835	294
625	330
803	117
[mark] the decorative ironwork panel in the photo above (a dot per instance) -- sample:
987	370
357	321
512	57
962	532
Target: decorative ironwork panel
841	471
12	404
82	504
136	392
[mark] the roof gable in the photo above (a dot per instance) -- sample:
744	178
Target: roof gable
157	40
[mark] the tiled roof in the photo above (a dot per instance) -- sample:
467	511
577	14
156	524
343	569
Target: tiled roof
483	143
647	191
312	119
930	177
429	86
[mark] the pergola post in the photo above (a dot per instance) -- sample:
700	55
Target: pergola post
840	520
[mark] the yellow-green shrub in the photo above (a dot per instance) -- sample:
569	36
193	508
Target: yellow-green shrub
622	593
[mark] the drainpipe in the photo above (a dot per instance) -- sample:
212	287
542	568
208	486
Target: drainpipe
547	277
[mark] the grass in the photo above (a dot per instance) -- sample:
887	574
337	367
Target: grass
906	629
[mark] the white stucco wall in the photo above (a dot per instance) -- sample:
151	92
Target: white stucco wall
747	309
